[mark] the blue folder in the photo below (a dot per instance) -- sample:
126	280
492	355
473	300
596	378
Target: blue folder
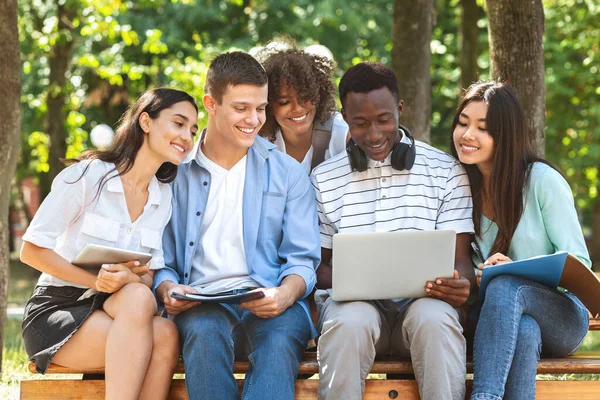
543	269
560	269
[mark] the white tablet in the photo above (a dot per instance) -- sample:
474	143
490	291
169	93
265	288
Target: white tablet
94	255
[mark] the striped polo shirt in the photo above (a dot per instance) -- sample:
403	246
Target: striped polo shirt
433	195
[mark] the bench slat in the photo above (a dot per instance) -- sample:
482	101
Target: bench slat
92	390
305	389
584	363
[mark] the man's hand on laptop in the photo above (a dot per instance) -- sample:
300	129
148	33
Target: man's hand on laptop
453	291
174	306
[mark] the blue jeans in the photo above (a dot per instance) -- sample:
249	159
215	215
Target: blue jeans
213	334
521	319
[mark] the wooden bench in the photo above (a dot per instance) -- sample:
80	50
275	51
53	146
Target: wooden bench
377	387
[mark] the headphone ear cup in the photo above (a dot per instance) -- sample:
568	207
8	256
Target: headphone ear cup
398	156
409	158
403	155
358	160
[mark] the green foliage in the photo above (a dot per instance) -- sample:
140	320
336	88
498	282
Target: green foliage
572	58
445	69
122	48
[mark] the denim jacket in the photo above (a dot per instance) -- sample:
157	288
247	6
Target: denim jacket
280	228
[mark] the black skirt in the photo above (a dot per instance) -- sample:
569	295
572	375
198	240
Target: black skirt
52	315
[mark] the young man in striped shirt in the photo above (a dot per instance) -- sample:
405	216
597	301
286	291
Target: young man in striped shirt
384	183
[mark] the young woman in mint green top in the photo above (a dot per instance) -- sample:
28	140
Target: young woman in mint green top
522	207
549	221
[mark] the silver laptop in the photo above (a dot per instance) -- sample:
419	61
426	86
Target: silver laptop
390	265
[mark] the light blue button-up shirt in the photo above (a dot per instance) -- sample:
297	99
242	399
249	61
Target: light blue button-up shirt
280	228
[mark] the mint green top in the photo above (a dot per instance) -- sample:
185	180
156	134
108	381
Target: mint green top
549	222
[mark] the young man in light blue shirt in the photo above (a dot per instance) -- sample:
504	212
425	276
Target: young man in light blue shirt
244	218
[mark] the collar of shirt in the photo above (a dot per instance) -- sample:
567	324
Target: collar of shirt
261	146
372	163
213	167
115	185
279	142
280	145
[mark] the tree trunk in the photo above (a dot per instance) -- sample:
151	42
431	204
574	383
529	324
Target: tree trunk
10	115
411	60
516	30
18	202
469	51
58	62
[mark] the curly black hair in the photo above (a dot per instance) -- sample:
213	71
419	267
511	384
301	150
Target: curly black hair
309	74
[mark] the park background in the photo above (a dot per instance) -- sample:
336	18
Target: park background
80	64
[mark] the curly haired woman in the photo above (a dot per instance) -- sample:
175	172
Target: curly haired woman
301	116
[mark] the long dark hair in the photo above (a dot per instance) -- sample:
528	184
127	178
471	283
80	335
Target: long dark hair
129	136
512	160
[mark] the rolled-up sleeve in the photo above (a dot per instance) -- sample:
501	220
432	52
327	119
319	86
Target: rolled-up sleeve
63	205
300	246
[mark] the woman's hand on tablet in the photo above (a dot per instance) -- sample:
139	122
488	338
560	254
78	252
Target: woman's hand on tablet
480	268
113	277
136	268
497	258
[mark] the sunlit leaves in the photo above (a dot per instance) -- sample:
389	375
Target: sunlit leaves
153	44
88	60
572	55
130	38
38	142
124	47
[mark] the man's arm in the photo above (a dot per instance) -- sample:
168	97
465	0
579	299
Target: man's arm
455	291
325	269
462	258
299	248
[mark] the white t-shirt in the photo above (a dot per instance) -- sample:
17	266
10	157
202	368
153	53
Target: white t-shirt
220	262
72	216
337	144
433	195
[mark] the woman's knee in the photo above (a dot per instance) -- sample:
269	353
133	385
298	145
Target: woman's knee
166	340
529	337
504	289
137	300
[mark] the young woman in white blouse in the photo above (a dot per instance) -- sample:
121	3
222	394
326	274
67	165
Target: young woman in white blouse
118	198
301	118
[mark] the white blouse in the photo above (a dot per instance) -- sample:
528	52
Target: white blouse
74	214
